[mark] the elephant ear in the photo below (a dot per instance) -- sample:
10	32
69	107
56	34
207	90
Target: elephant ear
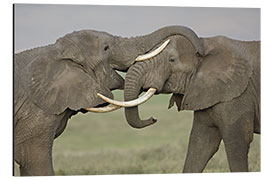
57	84
223	75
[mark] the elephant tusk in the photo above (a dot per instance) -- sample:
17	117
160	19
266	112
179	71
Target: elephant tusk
132	103
153	53
105	109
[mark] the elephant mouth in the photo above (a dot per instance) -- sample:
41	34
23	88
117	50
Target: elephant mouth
168	87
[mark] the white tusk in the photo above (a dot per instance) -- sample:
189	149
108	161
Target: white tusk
105	109
153	53
135	102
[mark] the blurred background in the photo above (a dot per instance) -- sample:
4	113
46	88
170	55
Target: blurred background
105	143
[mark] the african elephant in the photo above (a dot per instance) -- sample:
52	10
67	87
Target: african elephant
54	82
218	78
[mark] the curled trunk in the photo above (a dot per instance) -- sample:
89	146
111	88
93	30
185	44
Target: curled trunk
132	90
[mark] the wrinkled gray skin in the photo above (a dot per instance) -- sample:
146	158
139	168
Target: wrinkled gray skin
54	82
221	85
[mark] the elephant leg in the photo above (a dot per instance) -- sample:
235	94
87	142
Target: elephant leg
237	138
203	143
37	159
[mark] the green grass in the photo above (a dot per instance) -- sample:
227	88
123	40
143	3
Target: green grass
105	144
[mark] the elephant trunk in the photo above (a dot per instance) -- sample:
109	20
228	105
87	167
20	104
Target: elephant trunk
132	90
127	49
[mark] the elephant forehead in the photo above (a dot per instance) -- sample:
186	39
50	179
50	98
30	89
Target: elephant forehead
84	35
171	51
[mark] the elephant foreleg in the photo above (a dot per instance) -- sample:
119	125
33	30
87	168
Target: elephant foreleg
203	143
37	160
237	138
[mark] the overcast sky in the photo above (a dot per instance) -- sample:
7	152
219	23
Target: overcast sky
37	25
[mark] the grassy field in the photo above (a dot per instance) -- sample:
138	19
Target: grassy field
106	144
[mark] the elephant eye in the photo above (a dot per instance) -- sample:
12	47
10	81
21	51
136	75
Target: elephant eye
106	48
198	54
171	59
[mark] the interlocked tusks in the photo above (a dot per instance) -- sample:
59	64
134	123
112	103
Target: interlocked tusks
105	109
135	102
153	53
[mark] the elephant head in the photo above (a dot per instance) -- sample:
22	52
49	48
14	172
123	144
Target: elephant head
68	73
199	75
